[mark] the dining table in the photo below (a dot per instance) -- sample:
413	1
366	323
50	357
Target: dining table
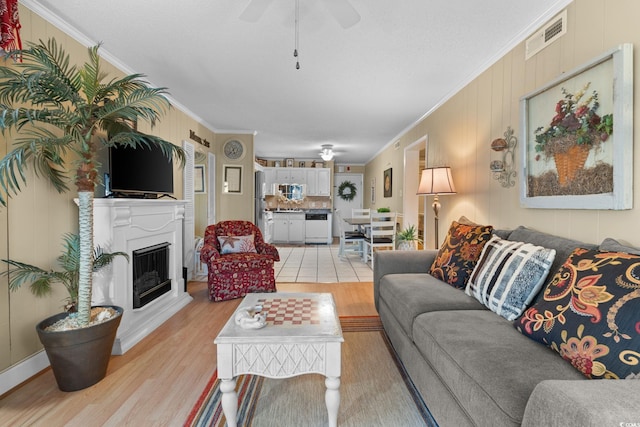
361	223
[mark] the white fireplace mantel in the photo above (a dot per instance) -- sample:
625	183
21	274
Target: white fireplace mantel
126	225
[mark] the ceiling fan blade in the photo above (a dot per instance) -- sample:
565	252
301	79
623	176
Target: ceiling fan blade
254	10
344	13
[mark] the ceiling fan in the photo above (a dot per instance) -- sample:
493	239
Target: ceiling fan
341	10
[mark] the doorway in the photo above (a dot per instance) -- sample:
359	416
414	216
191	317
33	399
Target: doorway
345	206
414	162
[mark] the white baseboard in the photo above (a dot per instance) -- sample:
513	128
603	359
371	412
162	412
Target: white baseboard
17	374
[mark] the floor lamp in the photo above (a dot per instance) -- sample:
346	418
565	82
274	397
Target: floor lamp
435	181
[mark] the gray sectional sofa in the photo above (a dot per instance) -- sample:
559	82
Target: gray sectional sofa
472	367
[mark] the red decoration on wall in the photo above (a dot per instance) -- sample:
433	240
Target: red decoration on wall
9	25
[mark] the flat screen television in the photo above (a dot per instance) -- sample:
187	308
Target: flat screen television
143	171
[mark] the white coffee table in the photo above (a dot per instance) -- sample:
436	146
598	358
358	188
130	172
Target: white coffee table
302	336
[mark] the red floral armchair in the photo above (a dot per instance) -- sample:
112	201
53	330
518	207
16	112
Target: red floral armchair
238	260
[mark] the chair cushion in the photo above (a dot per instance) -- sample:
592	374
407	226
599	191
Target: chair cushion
236	244
509	275
590	314
240	261
459	253
380	240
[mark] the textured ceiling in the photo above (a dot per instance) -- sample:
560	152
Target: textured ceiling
357	88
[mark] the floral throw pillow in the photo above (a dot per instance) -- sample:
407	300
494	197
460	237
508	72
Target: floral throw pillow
459	253
236	244
590	314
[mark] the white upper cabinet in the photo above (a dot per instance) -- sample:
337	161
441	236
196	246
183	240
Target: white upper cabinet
318	182
290	175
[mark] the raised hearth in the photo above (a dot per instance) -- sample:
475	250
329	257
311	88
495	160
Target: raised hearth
129	225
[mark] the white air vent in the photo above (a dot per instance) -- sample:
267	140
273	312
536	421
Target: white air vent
396	145
551	32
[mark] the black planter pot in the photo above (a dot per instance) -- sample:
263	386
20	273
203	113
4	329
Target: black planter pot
79	358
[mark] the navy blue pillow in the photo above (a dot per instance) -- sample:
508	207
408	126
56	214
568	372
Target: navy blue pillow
590	314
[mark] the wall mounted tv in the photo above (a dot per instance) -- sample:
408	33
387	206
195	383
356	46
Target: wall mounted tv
140	172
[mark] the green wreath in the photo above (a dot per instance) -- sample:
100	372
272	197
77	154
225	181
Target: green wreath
347	191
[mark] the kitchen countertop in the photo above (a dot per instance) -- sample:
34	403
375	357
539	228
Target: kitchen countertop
315	211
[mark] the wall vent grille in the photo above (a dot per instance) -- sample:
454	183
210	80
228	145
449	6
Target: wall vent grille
548	34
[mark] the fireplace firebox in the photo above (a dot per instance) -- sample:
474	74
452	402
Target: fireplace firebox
150	274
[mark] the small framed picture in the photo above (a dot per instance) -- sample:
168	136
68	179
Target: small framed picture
387	183
199	179
288	163
301	164
232	179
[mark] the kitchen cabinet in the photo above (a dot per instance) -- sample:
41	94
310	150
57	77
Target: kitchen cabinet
318	181
290	176
324	182
288	227
270	181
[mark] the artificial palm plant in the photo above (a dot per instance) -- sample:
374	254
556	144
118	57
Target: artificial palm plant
63	111
42	280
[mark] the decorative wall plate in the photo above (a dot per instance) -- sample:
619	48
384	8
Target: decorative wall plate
233	149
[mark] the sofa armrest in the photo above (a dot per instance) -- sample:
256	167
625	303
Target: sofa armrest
268	249
397	262
586	403
207	252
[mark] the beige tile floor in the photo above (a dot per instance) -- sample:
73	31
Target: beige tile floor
321	264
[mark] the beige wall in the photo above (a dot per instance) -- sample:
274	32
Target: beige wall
32	225
235	206
461	130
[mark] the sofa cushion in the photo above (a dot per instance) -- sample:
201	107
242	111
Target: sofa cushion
590	314
459	252
472	349
509	275
563	246
612	245
410	294
237	244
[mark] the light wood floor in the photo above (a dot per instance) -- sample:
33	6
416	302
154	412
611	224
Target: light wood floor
157	382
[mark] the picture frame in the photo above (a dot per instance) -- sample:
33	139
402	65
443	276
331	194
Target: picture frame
232	179
199	179
288	163
387	182
562	152
373	191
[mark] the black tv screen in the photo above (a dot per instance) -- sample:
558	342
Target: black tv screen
143	170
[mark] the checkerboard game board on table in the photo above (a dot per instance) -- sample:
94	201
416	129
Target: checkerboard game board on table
290	311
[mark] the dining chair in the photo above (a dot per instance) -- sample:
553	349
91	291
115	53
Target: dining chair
382	234
350	241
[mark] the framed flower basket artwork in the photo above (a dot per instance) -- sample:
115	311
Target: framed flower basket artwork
232	179
199	179
578	134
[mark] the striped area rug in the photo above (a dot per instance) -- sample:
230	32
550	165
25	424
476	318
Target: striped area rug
375	390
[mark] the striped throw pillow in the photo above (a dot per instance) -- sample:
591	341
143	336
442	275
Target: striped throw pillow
508	275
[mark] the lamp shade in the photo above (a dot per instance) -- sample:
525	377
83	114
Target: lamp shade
436	181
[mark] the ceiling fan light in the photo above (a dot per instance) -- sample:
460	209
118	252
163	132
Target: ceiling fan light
327	152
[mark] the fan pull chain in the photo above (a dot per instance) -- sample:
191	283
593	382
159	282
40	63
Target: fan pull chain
297	34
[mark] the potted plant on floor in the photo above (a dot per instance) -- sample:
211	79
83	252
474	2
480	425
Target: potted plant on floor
68	361
67	113
408	239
